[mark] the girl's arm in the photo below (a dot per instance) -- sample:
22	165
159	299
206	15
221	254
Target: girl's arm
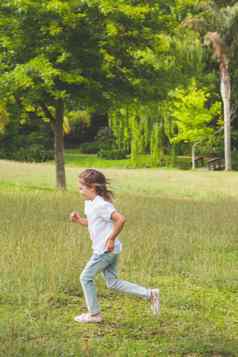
76	218
118	222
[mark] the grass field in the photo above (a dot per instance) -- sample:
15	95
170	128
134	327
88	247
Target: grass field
74	157
181	235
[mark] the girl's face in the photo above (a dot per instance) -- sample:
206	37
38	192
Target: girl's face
88	193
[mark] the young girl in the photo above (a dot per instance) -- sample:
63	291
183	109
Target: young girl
104	224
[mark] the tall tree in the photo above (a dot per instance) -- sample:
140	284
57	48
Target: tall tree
221	54
192	115
217	22
57	55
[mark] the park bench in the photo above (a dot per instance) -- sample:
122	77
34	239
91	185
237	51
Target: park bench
216	163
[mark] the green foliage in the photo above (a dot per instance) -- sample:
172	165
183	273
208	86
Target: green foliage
105	137
154	144
121	57
103	142
34	153
4	117
29	141
90	148
112	154
72	53
87	54
74	121
192	114
78	117
137	130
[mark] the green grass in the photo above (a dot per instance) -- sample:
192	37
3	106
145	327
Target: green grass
181	235
74	157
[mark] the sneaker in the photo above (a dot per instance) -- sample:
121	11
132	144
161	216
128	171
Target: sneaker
155	301
86	318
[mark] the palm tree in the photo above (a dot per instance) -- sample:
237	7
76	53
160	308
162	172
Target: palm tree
220	17
220	52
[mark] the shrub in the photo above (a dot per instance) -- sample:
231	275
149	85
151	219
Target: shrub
112	154
90	148
35	153
105	137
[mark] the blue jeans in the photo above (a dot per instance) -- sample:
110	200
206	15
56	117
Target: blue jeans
106	263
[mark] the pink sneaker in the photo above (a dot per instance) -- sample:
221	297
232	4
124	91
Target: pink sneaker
155	301
86	318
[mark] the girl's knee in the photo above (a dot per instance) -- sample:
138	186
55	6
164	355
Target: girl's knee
111	283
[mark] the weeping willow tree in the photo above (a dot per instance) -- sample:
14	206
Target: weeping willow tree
154	144
141	128
137	130
170	131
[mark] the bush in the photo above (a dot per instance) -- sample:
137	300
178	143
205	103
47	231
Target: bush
90	148
112	154
105	137
35	153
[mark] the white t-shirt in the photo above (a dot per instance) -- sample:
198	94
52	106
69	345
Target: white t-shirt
100	224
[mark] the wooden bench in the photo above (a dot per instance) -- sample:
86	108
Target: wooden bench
216	164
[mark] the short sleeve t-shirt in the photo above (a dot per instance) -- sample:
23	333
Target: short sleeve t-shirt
100	224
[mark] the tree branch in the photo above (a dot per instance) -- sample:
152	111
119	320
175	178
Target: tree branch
47	112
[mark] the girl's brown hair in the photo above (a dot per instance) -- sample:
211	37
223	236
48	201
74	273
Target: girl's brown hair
92	177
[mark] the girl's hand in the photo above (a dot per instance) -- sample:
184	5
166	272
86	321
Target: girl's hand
75	217
109	246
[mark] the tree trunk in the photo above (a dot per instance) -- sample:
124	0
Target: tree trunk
59	145
161	141
193	156
173	155
220	51
226	94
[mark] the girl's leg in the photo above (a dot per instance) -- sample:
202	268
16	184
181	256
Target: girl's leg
110	275
97	263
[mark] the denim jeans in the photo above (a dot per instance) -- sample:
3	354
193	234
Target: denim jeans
106	263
